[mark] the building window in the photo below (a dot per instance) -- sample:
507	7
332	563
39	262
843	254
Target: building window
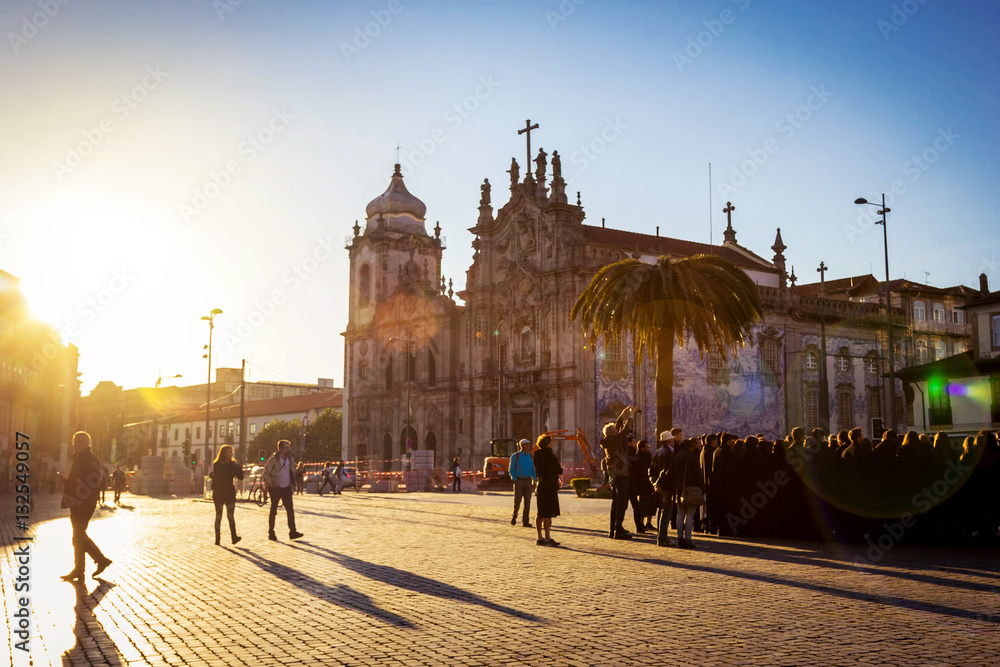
958	316
939	403
921	347
364	285
388	373
874	404
811	360
527	350
769	362
253	429
717	368
812	408
177	434
995	330
843	361
960	347
940	350
363	370
937	312
845	409
919	313
614	356
431	369
871	365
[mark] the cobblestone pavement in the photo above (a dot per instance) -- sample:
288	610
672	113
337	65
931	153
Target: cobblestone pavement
427	579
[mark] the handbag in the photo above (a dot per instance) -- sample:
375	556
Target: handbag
692	495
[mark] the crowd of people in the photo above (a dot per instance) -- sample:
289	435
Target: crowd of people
841	486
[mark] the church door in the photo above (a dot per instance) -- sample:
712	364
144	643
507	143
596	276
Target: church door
523	426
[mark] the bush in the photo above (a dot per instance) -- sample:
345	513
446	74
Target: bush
580	484
603	492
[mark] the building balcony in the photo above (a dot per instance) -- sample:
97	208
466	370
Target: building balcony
941	328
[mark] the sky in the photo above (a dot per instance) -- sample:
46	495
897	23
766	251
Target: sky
161	159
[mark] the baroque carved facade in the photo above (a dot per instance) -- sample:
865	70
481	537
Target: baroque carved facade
423	371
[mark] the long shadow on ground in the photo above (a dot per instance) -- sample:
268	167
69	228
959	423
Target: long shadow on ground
340	595
410	581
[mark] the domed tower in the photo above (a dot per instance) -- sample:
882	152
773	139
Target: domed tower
400	320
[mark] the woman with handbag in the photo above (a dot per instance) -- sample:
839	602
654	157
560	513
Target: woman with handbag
688	488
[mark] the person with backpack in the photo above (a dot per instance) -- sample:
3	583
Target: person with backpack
522	473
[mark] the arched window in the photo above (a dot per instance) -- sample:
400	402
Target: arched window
811	360
364	285
431	369
919	311
845	409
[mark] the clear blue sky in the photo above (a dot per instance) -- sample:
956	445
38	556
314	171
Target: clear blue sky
117	113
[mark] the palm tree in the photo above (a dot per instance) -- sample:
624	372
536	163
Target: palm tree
704	298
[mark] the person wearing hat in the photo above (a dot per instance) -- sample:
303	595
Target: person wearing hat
522	473
659	469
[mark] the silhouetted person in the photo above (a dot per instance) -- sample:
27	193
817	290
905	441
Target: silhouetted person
614	444
547	469
224	470
80	492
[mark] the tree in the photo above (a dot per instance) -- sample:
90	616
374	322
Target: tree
277	429
704	298
325	437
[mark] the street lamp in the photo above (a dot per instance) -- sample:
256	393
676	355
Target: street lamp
156	410
409	389
210	318
891	401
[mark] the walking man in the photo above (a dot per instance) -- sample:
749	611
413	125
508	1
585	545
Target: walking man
279	471
81	490
614	444
522	472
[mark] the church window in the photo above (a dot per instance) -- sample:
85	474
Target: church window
812	407
919	312
811	360
845	409
937	312
871	364
364	287
388	373
769	363
431	369
718	369
874	404
843	361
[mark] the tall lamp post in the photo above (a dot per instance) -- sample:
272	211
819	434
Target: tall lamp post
891	400
156	411
210	318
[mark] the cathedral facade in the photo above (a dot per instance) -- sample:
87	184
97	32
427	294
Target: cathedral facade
425	371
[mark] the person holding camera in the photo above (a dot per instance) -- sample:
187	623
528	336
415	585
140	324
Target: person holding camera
614	443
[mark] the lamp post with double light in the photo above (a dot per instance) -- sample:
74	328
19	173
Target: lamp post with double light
210	318
890	401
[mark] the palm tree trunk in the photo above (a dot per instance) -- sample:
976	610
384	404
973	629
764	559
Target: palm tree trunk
664	381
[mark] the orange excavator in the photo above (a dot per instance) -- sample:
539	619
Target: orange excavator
588	452
496	473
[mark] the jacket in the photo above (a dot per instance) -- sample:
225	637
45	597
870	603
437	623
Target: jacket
270	474
86	477
659	467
